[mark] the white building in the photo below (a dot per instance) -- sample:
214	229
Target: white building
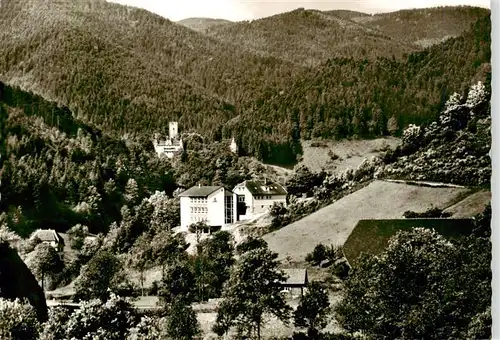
256	197
50	237
214	205
233	146
172	145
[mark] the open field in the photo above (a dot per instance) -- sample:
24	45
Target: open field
350	152
334	223
272	328
471	205
372	236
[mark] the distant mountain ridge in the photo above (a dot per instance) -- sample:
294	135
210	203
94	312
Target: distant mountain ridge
312	36
309	37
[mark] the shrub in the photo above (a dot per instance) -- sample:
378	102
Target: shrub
18	320
318	254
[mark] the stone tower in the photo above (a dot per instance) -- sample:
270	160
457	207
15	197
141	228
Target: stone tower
173	129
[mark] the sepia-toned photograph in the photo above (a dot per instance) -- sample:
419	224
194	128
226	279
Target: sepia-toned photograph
246	169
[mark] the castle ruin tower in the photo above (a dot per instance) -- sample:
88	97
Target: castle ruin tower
173	130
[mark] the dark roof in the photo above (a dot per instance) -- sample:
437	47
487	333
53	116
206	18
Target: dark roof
47	235
296	276
262	188
203	191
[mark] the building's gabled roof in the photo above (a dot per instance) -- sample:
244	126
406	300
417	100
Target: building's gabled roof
296	276
199	191
260	188
47	235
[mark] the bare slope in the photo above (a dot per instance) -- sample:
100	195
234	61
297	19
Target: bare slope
202	24
334	223
341	155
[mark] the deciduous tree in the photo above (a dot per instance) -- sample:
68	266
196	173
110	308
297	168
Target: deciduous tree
313	309
252	293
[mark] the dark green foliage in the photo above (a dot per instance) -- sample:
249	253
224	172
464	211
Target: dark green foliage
341	268
111	320
77	235
278	213
167	249
44	262
102	274
182	323
213	264
303	181
372	236
318	254
482	223
17	281
313	309
249	244
421	286
251	294
429	213
221	89
177	285
41	174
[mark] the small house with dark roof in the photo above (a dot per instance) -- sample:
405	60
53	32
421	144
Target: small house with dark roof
50	237
213	205
296	282
256	197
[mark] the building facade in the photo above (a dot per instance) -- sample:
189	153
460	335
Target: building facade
257	197
213	205
296	282
50	237
172	145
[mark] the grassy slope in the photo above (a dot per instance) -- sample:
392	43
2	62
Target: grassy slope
471	205
202	24
334	223
372	236
351	152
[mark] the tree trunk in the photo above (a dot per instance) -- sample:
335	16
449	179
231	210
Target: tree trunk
142	282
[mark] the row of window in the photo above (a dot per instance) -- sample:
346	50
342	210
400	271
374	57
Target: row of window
195	219
198	199
262	197
199	210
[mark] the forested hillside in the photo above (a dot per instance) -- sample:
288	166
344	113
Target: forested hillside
346	97
423	27
57	172
126	70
